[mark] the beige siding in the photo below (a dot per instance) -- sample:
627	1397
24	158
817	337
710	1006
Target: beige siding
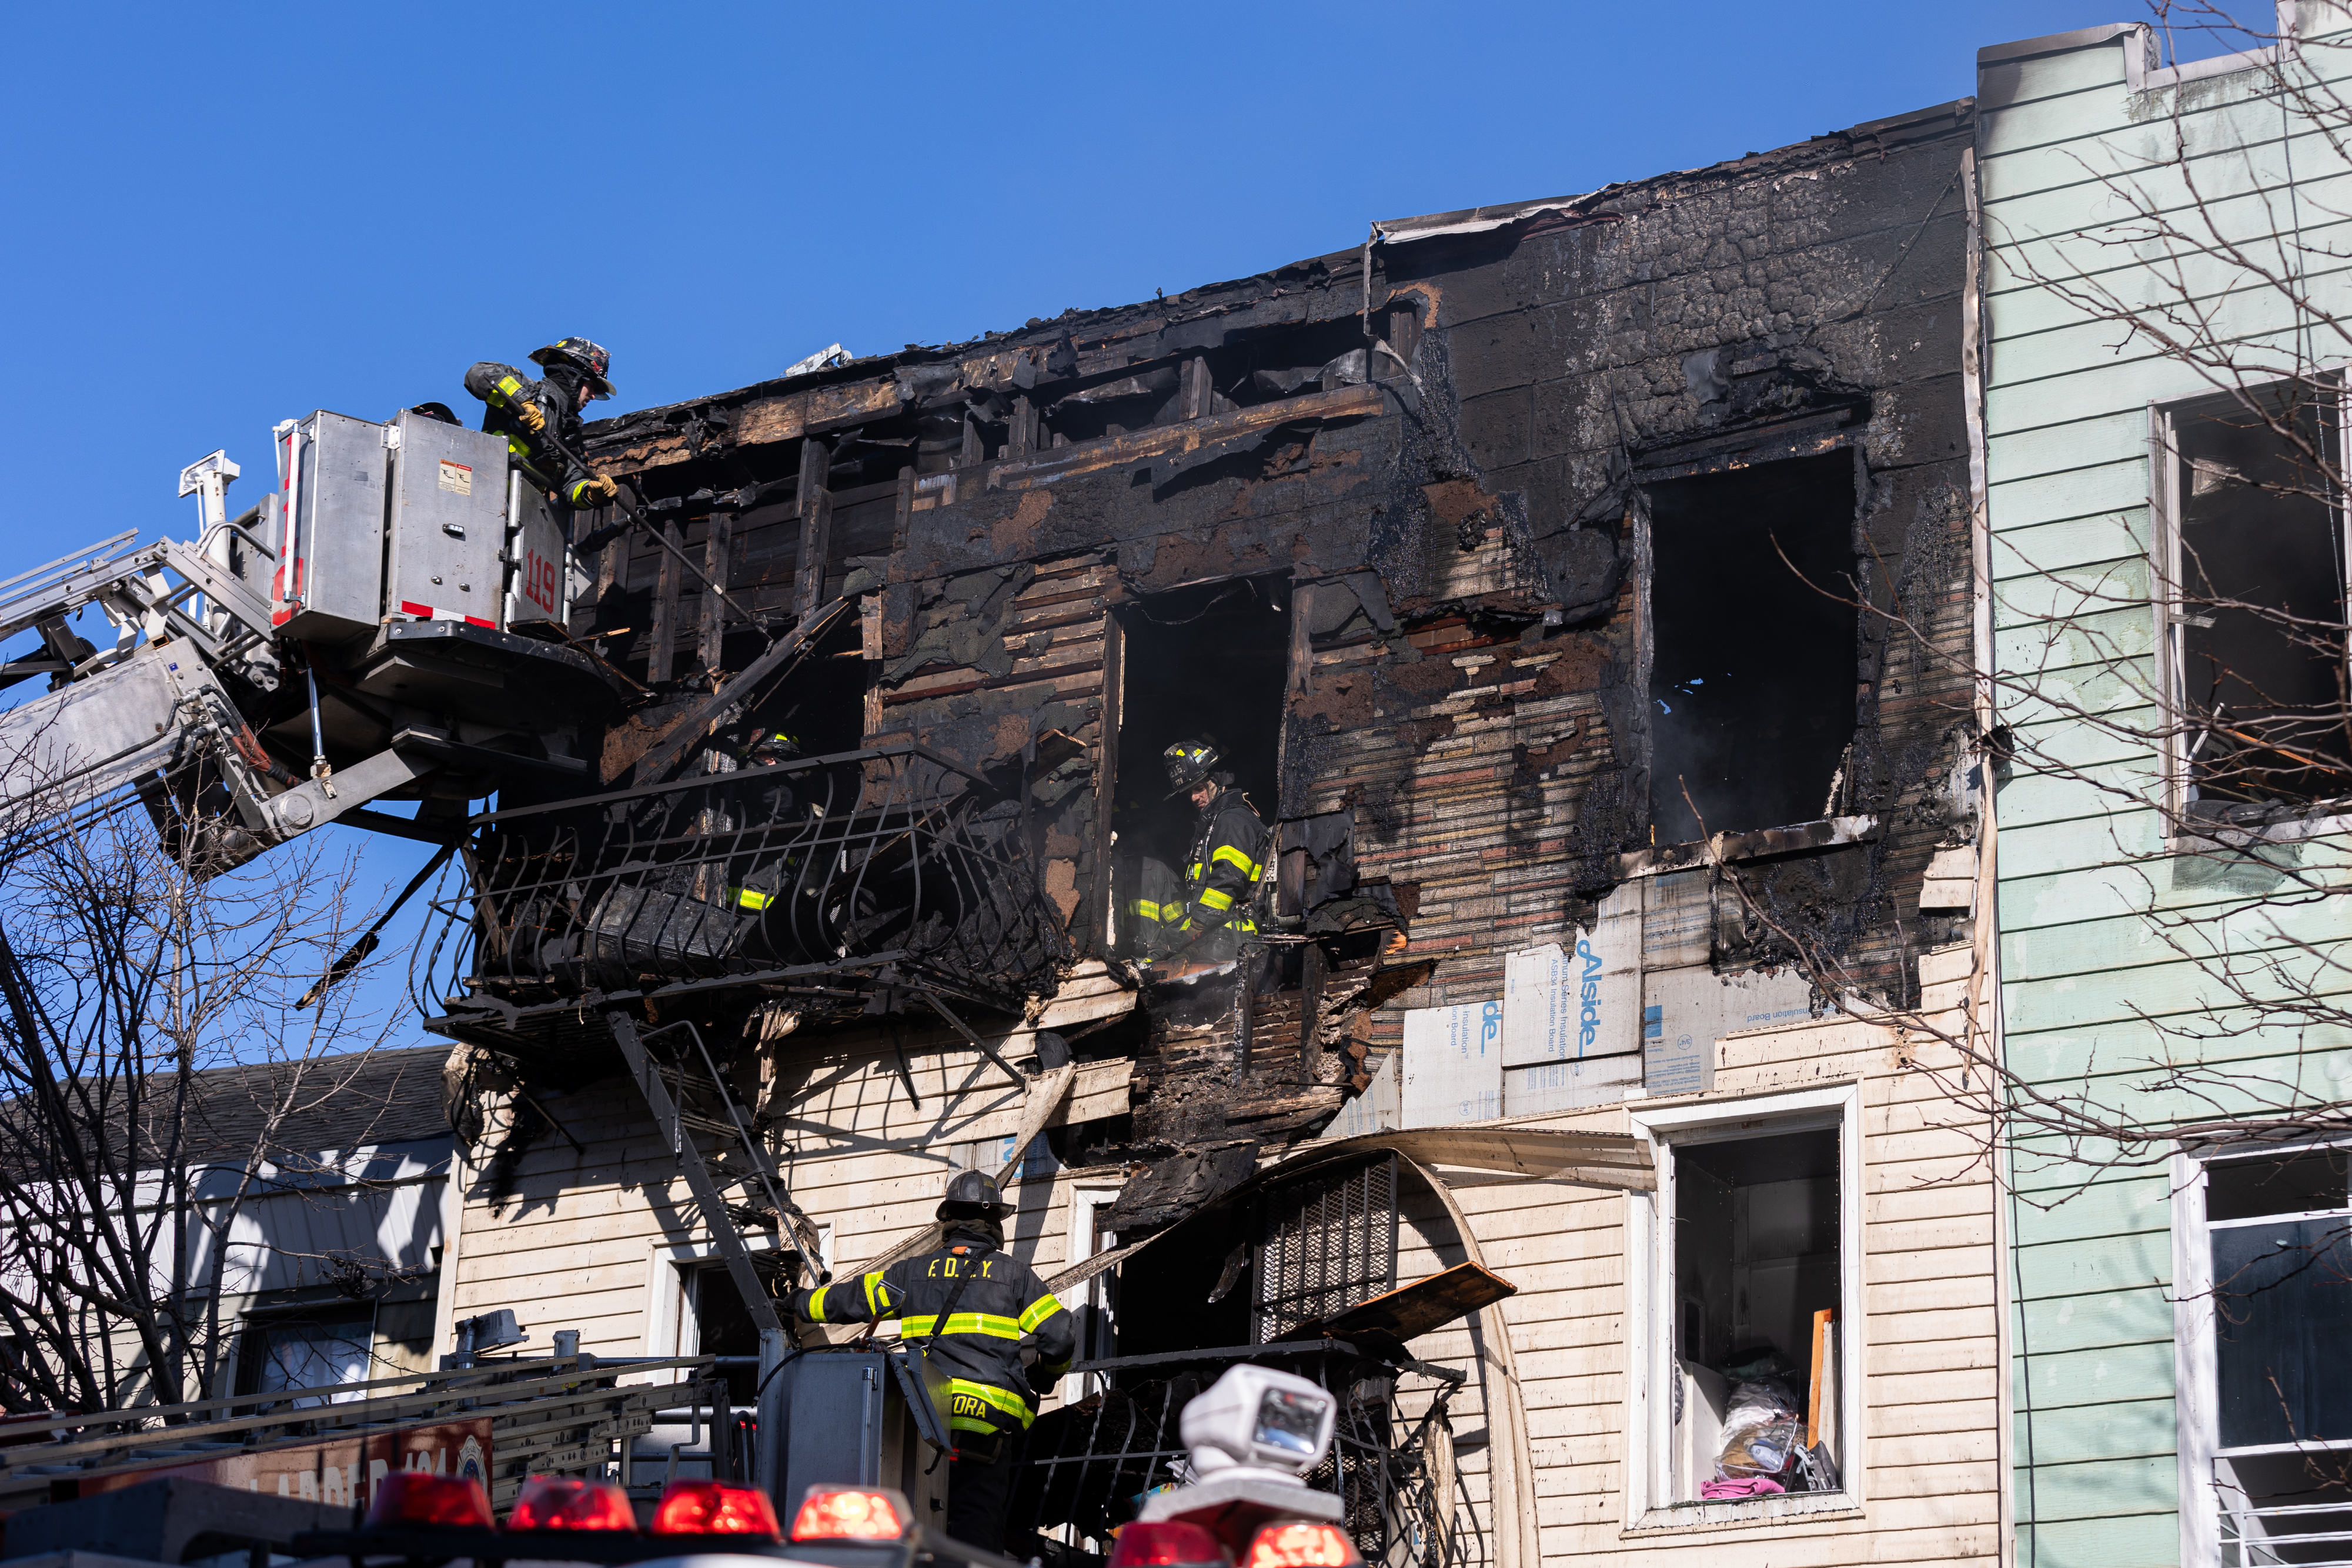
575	1245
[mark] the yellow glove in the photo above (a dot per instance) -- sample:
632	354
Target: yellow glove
602	487
533	420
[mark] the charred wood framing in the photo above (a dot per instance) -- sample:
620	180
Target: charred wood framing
1575	535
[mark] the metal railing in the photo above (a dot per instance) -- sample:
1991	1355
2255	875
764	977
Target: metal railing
809	871
1088	1465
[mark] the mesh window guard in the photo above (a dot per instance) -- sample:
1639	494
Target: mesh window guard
1326	1243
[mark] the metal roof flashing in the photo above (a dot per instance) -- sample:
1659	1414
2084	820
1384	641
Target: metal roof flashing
2058	43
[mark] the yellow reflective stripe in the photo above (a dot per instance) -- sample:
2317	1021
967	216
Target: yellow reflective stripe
987	1323
970	1402
877	1300
816	1303
1233	857
751	898
508	387
1211	898
1038	1310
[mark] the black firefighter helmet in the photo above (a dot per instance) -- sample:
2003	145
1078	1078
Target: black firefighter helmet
589	360
972	1195
1187	763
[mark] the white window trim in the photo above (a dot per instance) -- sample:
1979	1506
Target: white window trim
665	1266
1085	1202
2164	566
1649	1278
2196	1419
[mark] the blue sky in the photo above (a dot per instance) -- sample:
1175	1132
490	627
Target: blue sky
223	215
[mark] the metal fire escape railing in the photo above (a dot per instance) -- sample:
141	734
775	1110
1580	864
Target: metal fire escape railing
816	882
1088	1465
823	877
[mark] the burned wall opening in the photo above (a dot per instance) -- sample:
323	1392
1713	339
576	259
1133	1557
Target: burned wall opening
1204	663
1752	667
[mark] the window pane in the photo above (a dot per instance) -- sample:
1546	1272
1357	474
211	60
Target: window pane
2282	1305
312	1355
2286	1184
2262	567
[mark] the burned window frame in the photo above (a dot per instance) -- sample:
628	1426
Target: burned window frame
2171	618
1762	837
2196	1358
1652	1309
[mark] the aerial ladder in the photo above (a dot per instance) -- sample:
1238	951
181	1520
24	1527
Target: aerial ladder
387	625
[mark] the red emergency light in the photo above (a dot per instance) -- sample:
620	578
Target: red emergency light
715	1508
562	1502
418	1497
850	1514
1167	1543
1302	1543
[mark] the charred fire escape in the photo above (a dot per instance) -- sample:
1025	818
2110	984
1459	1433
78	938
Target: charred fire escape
652	917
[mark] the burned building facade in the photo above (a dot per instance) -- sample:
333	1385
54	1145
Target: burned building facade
1581	590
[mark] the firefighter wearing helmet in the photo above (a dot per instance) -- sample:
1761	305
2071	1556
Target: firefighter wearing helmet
988	1322
1221	873
540	419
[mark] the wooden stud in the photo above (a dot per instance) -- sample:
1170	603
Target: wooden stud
715	548
816	527
973	453
1310	1006
1025	429
664	627
1106	775
1404	333
1195	403
906	510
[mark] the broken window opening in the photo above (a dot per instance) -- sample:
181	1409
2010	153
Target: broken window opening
2258	615
1755	1317
716	1322
1203	663
1752	664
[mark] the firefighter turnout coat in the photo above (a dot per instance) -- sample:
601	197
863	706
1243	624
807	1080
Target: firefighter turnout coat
979	1347
501	387
1221	877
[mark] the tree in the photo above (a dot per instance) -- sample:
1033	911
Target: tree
128	976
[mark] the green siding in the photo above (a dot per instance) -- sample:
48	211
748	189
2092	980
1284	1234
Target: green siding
2092	912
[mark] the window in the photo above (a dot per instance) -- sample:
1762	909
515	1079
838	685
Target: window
2251	594
2266	1291
307	1350
1095	1303
1747	1259
1752	661
1207	663
704	1312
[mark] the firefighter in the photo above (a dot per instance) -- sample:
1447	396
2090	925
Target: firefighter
1005	1342
1221	873
1152	917
536	417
